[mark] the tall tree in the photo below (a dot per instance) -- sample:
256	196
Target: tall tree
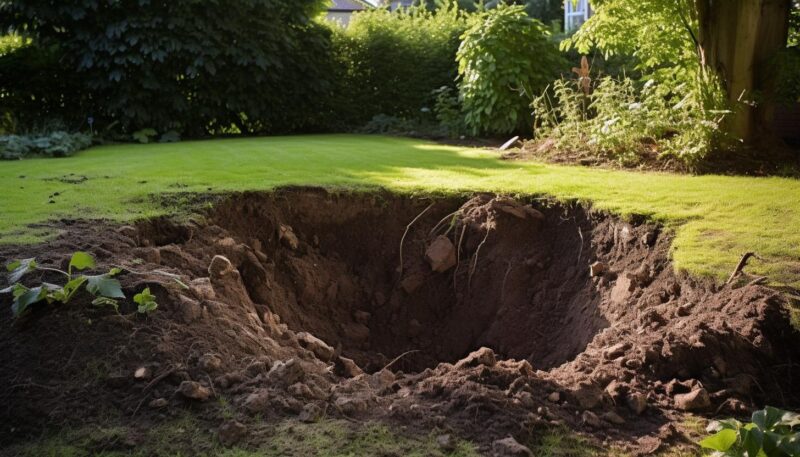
740	39
737	39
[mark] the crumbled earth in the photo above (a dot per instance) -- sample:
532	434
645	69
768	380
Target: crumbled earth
502	317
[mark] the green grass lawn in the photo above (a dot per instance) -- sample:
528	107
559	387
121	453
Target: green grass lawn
715	218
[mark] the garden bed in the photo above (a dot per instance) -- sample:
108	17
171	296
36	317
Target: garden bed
480	317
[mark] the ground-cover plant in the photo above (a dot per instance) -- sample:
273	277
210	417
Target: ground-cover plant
504	60
104	287
388	62
627	120
771	432
51	144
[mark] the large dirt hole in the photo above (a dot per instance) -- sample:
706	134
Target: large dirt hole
330	264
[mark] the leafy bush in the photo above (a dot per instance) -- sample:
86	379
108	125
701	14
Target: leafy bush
389	61
259	65
505	58
53	144
104	287
771	433
449	112
625	120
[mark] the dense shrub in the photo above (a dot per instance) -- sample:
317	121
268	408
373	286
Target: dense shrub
52	144
626	120
185	65
389	62
505	58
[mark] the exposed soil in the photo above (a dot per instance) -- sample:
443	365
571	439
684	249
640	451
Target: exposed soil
300	305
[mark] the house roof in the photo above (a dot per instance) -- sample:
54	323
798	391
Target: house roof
349	5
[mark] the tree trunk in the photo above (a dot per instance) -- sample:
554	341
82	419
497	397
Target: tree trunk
739	39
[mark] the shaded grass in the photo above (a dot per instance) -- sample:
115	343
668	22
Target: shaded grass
715	218
184	436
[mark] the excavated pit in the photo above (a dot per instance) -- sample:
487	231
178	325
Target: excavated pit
494	315
515	278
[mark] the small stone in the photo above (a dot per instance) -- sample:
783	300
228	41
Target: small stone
190	309
637	402
597	269
158	403
483	356
509	447
202	289
615	351
588	396
589	418
362	317
288	238
446	443
194	390
310	413
441	254
257	402
695	400
220	267
288	372
321	349
231	432
142	373
412	282
615	390
129	231
554	397
614	418
348	367
210	363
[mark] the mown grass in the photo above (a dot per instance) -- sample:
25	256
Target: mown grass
184	436
715	218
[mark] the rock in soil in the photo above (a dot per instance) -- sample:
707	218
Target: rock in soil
446	442
637	402
310	413
696	400
257	402
321	349
288	237
142	373
509	447
210	363
483	356
231	432
441	254
194	390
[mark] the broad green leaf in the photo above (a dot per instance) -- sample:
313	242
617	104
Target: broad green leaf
81	261
752	440
71	287
20	269
104	286
27	298
790	444
766	418
721	441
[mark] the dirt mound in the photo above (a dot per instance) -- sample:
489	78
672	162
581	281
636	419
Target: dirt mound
489	315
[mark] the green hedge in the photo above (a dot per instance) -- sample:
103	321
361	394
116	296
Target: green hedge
196	67
391	62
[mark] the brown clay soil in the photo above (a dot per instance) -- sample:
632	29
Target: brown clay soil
503	317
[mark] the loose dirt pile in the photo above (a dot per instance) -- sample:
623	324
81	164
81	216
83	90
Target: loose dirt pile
501	317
